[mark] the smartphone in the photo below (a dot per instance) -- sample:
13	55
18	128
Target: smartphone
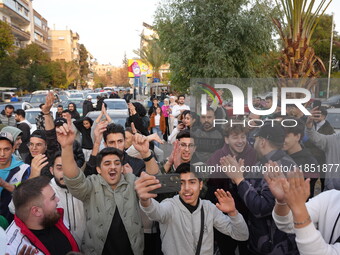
316	103
170	183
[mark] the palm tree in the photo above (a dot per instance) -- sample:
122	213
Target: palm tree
152	54
298	59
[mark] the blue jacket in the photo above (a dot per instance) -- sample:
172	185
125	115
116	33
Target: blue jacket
264	237
17	172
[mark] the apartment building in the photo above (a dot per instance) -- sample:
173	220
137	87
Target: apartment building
27	25
64	45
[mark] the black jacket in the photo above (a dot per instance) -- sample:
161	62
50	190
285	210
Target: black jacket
86	139
78	154
87	107
305	160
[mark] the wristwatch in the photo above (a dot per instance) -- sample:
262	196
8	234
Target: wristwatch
148	158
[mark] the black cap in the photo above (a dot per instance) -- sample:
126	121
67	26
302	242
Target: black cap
39	134
272	132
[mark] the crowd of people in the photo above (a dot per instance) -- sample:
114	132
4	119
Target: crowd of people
97	193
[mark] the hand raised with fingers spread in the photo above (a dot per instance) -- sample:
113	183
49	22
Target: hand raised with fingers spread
66	134
175	156
275	180
297	189
233	167
226	202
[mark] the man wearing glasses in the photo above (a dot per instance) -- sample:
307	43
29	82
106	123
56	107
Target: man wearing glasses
183	152
38	156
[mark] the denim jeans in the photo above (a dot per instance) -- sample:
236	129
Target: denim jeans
157	130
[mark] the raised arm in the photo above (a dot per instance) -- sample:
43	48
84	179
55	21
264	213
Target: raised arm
66	137
141	144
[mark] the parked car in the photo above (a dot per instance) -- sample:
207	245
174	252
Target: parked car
116	104
333	117
37	99
117	117
17	105
332	102
76	95
32	113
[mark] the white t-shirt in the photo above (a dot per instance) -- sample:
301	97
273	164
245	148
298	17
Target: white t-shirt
176	111
157	120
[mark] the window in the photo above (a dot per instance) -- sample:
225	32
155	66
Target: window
61	38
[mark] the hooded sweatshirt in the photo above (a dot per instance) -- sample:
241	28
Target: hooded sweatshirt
14	174
330	145
15	132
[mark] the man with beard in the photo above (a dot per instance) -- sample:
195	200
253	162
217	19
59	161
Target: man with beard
73	111
235	138
265	238
73	207
208	138
7	117
179	109
38	222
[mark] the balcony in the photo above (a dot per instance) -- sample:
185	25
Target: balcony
20	34
43	45
9	8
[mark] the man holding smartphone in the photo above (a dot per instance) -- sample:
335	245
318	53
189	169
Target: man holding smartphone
186	220
330	145
113	221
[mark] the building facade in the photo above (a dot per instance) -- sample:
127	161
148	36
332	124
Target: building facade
64	45
27	25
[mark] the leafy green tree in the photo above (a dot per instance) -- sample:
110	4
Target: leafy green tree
71	70
321	40
213	39
32	55
6	39
35	62
58	76
11	74
83	64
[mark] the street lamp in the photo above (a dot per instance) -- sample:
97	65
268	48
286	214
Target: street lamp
330	57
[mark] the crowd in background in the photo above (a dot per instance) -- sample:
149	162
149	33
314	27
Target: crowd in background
97	194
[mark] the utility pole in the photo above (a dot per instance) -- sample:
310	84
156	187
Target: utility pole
330	57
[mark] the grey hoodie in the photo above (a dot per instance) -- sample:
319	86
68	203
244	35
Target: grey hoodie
180	229
330	144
